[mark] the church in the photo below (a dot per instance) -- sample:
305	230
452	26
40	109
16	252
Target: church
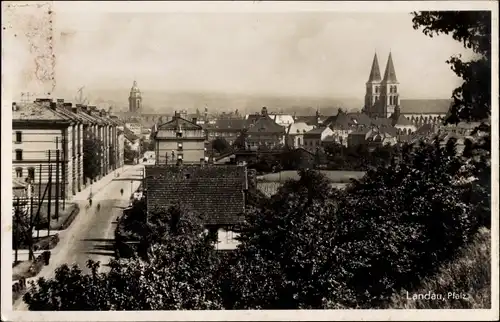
382	98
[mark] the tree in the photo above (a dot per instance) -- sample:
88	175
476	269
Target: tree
178	274
92	156
286	246
471	100
241	141
129	154
220	145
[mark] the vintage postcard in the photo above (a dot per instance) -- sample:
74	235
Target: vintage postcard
249	160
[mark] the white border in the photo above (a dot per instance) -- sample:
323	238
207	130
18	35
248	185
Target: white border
293	315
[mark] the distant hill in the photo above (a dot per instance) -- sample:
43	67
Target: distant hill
168	102
164	102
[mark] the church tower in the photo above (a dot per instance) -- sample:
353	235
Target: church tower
372	95
135	99
389	89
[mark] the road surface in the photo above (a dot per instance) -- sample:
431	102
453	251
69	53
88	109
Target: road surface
91	235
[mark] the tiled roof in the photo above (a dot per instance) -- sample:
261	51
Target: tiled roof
425	106
341	120
317	130
37	111
360	118
179	122
215	191
264	124
403	121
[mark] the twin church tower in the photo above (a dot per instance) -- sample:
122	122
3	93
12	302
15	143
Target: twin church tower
382	97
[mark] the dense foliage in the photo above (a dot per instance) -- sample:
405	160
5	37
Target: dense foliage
176	274
92	156
129	155
472	100
220	145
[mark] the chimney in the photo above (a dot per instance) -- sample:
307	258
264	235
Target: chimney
176	115
74	109
68	106
101	113
14	106
60	102
53	105
195	120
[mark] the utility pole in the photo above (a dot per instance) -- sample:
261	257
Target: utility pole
30	231
57	183
39	201
50	197
63	173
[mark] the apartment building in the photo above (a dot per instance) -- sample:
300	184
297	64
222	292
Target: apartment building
180	141
43	127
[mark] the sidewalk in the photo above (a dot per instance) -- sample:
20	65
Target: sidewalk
99	185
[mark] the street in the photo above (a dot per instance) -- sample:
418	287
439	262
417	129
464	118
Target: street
91	235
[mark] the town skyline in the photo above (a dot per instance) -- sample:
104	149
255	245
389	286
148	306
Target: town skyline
272	54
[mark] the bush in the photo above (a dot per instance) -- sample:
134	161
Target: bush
469	273
18	289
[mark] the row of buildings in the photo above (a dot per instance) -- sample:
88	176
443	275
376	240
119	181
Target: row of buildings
52	133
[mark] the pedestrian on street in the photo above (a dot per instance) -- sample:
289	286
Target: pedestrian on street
121	191
98	206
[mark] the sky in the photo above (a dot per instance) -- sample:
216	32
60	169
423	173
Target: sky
281	53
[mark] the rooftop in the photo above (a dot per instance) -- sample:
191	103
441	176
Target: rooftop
215	191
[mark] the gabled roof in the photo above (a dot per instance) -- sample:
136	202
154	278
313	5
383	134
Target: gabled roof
342	120
264	124
317	130
215	191
179	123
360	118
403	121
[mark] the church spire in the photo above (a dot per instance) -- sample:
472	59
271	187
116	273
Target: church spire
390	72
375	72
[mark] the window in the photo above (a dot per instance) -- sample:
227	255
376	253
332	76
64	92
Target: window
19	136
31	173
298	141
179	146
19	154
179	134
19	172
395	89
